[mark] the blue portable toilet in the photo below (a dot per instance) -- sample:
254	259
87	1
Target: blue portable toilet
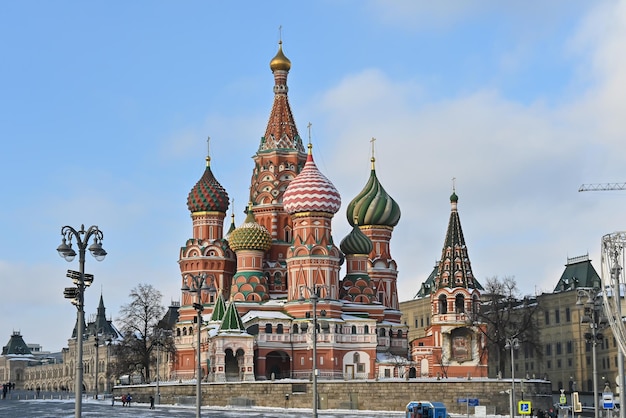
426	409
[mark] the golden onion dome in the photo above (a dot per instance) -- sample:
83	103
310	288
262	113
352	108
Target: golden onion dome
280	61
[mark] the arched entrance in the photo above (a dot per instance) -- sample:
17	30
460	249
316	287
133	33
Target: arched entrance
277	363
232	364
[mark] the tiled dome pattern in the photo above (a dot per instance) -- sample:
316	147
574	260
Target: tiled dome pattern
250	236
207	195
311	191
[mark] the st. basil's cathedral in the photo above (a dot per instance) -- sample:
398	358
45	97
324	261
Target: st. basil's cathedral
261	279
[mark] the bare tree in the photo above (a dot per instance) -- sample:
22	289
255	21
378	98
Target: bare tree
139	319
507	316
444	364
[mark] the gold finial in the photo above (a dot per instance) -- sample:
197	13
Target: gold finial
373	159
310	146
208	151
280	34
453	185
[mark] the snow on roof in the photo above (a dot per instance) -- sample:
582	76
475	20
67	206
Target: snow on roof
348	317
255	314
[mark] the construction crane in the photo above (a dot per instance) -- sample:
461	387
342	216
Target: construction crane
601	187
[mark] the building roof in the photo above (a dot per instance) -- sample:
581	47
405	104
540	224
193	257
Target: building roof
281	132
428	286
455	268
16	345
170	318
232	322
579	272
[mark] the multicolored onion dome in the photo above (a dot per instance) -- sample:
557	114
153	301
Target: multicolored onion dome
280	61
373	206
250	236
311	191
207	195
356	242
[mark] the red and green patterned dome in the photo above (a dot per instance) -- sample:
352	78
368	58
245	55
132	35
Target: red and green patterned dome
311	191
207	195
250	236
373	206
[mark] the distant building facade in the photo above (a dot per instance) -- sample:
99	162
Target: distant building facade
57	371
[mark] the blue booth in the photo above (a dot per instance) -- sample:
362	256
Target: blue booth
426	409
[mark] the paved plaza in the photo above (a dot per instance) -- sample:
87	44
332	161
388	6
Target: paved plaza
55	408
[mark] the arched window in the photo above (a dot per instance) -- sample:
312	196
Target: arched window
366	329
459	303
296	329
279	329
382	332
354	329
268	328
475	305
443	304
356	357
399	333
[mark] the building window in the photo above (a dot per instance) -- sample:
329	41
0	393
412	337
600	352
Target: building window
569	347
268	328
558	363
443	308
568	315
459	304
557	316
549	364
559	349
569	362
548	349
279	329
546	317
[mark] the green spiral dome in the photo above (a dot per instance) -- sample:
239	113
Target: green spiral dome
356	242
373	206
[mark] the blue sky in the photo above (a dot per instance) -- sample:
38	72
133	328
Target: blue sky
105	108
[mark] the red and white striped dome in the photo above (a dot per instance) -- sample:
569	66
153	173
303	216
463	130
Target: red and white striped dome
311	191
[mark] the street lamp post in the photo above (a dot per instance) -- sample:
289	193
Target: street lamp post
97	341
109	341
158	391
314	298
77	294
591	301
198	285
512	344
